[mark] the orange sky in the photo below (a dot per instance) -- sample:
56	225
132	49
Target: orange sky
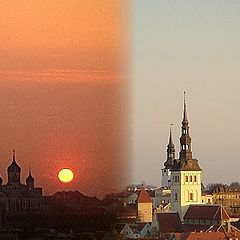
58	34
62	81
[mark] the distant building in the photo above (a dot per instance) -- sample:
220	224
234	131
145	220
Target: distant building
207	198
144	206
185	173
136	230
17	197
205	217
168	222
162	196
230	200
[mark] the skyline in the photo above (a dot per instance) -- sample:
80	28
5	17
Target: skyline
194	47
63	76
95	87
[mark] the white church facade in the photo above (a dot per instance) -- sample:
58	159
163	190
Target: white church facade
182	175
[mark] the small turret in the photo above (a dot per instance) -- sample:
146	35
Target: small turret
30	180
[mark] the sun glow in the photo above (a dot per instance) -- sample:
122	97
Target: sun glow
65	175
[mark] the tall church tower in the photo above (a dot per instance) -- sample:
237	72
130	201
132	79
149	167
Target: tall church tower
168	165
185	174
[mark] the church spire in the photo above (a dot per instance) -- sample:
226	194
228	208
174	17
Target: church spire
170	151
184	109
185	139
14	156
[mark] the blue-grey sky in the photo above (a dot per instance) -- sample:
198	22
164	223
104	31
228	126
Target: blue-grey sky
193	46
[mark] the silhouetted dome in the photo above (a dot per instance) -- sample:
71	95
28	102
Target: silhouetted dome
1	180
30	179
14	167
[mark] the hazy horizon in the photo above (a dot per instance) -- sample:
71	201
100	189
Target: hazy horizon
63	80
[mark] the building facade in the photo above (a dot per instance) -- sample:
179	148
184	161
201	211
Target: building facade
16	197
229	199
144	207
185	183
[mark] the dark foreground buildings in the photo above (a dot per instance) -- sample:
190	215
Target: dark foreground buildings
26	214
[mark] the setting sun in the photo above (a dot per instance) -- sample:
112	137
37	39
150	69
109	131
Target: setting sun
65	175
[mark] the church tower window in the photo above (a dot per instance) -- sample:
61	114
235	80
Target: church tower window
195	178
191	196
190	178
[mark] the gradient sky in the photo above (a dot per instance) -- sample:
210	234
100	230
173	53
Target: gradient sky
62	80
192	46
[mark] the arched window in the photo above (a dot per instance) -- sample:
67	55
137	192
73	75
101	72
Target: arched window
191	196
186	179
190	178
195	178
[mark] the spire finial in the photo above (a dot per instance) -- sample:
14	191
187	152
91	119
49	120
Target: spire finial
184	107
14	155
170	133
30	171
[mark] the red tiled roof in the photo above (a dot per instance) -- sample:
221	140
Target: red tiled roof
202	236
169	222
144	197
206	212
201	228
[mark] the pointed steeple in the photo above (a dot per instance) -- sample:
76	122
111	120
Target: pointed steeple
170	152
185	139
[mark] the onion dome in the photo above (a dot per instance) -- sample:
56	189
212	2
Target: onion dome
14	171
30	178
14	167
